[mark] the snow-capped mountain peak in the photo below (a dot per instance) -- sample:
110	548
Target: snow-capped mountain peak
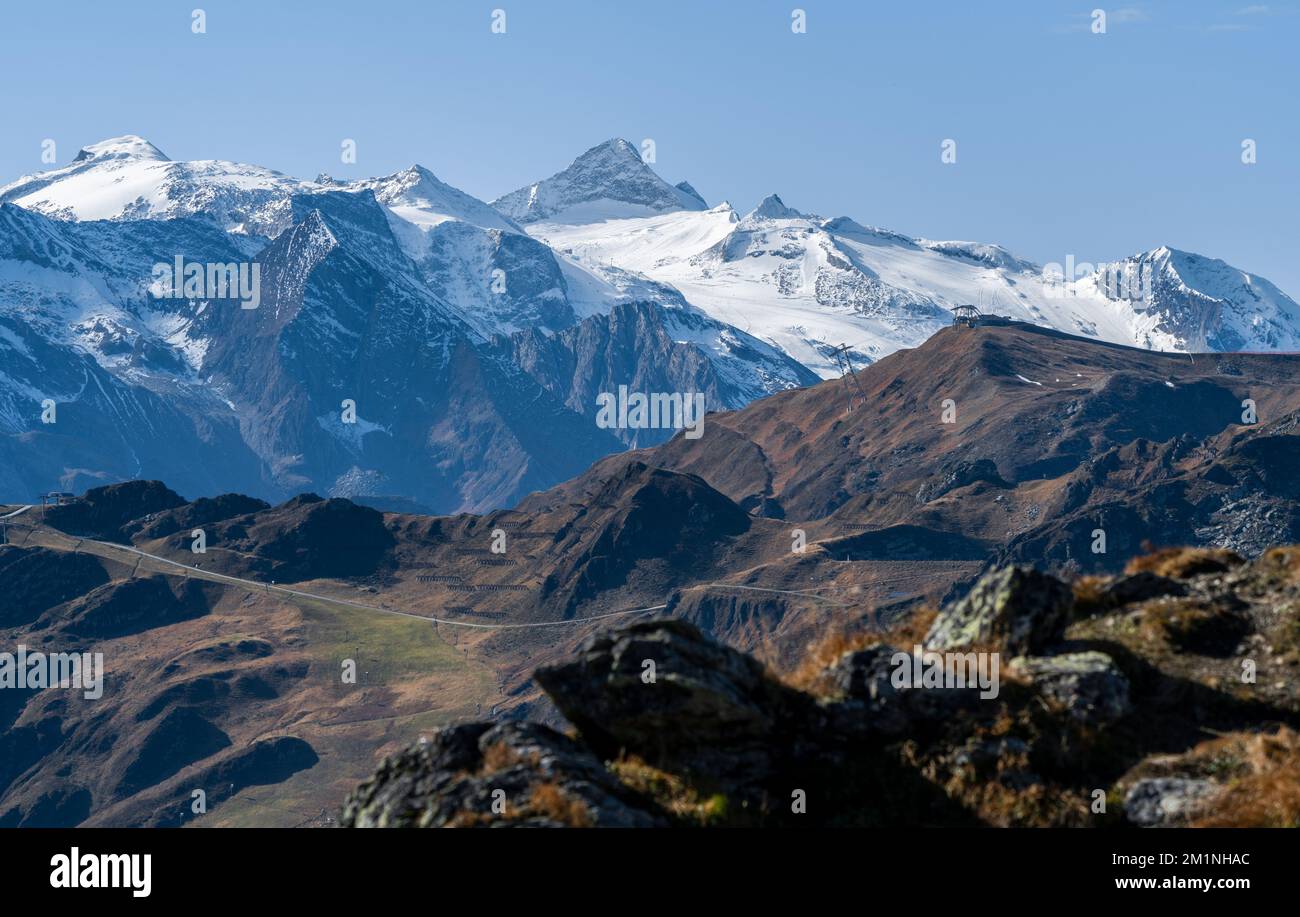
608	229
128	178
128	146
420	197
688	189
444	310
1185	301
608	181
773	208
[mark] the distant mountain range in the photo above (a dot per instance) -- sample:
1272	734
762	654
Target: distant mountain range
412	344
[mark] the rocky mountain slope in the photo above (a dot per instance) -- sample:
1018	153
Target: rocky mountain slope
648	348
1161	697
804	504
1027	439
791	522
212	691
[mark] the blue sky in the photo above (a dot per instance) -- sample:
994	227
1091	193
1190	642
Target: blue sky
1068	142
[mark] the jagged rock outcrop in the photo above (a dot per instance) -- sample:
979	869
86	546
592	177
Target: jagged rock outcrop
526	774
865	693
1138	587
667	699
1018	608
673	728
662	691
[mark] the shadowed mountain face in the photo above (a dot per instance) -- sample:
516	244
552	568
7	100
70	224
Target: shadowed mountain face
647	348
354	376
435	418
358	362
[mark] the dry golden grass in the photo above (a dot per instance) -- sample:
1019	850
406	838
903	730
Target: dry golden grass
681	800
1089	596
1286	636
912	630
823	653
500	757
467	819
1266	794
1283	563
545	800
987	796
807	675
1191	626
549	800
1180	563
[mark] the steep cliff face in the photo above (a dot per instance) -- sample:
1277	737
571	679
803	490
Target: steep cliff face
647	348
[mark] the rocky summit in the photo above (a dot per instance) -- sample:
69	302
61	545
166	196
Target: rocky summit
1164	695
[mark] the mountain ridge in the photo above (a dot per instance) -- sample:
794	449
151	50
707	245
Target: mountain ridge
741	306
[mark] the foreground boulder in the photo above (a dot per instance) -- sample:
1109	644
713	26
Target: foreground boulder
1017	608
520	774
870	729
669	721
1141	586
663	691
1088	686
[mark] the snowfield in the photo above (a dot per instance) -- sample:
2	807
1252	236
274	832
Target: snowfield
807	285
607	230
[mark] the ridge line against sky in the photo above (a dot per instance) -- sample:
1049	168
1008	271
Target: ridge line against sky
1068	142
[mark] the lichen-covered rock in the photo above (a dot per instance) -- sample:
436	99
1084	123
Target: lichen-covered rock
512	774
663	691
1018	608
1167	801
1088	686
